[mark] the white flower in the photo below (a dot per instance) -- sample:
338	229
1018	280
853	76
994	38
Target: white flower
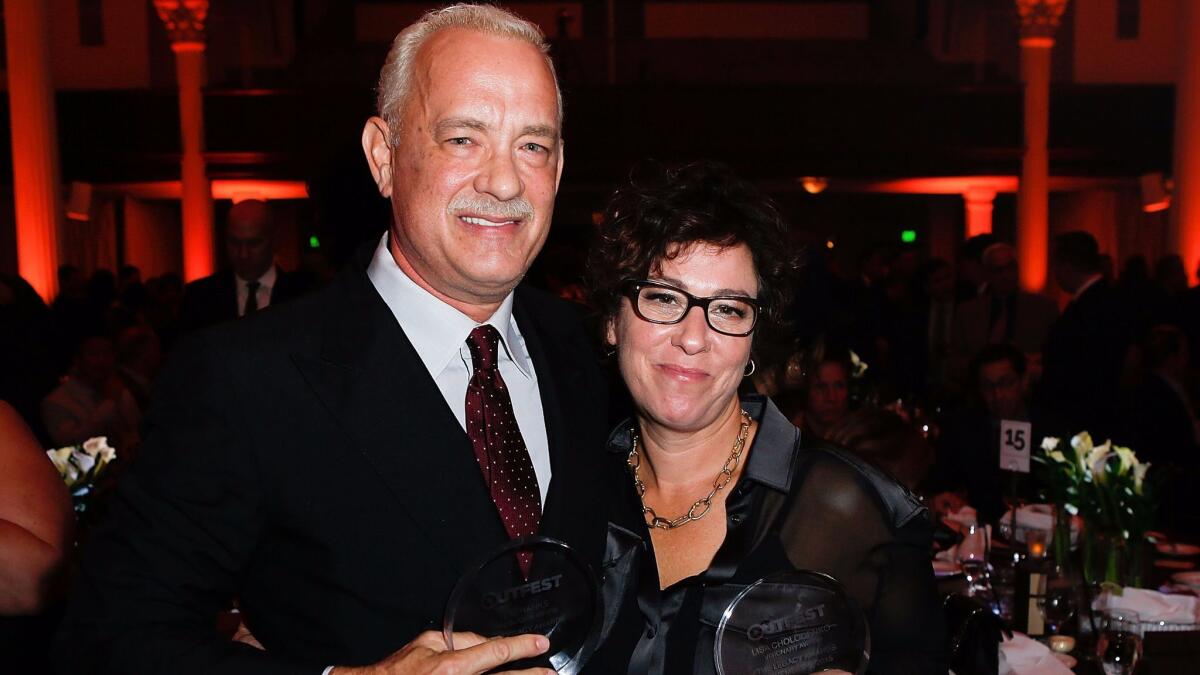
1057	456
1128	459
1082	442
99	447
1049	443
1097	456
858	366
60	458
84	461
1139	476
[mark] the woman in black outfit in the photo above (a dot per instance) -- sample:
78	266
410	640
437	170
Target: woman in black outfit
691	266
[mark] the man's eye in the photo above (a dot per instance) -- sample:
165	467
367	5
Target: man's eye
459	141
534	147
662	298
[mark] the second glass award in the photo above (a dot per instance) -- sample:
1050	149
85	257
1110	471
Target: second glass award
792	623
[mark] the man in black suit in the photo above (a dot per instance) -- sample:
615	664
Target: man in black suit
1084	354
320	462
968	451
253	281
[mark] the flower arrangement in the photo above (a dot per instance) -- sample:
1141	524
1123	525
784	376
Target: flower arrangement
82	466
1107	486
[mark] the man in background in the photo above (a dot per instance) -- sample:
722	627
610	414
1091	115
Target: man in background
253	281
1003	313
1084	354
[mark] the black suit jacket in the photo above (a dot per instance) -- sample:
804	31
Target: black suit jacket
1163	424
213	299
305	462
1082	362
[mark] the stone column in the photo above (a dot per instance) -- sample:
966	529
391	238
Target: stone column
184	20
979	201
1039	21
37	190
1185	211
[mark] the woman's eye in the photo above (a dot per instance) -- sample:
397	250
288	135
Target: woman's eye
662	298
730	311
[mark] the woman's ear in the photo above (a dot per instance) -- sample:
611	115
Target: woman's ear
610	331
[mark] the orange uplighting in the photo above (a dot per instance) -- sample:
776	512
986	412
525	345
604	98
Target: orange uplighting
36	192
979	210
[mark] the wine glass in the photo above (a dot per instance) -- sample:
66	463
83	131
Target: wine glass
1119	645
972	558
1058	605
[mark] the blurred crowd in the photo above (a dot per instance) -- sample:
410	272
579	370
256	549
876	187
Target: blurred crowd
909	360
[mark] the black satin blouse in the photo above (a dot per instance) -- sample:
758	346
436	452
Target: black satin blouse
794	506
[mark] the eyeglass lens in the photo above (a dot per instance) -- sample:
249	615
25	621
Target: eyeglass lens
728	315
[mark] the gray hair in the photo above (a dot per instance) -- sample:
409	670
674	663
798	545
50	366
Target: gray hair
395	78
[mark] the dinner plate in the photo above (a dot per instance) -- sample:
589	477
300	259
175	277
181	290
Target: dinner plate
1177	548
945	568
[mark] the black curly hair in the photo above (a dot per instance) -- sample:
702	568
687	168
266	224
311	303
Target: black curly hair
661	210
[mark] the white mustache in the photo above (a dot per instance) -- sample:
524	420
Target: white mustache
514	209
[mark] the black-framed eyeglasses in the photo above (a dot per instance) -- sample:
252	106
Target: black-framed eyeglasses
659	302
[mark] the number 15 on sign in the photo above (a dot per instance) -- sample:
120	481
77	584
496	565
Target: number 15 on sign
1014	445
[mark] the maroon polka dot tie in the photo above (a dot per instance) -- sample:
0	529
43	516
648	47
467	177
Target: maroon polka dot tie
499	447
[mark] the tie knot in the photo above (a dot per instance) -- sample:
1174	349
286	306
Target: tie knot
483	343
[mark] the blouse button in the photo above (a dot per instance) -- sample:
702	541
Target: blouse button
736	519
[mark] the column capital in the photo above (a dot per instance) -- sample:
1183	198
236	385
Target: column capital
1040	19
184	20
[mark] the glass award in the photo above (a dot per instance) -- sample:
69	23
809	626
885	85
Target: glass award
792	623
558	598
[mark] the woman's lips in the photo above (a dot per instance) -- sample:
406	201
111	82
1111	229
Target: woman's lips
682	373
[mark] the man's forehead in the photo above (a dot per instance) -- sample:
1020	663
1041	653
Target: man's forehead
458	62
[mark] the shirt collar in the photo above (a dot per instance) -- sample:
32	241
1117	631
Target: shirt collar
267	280
774	451
1088	283
436	330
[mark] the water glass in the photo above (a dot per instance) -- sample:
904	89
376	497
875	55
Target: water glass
1119	645
972	559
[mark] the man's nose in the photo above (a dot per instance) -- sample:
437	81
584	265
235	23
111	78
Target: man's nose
499	177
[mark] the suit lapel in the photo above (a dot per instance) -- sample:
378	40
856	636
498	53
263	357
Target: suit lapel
572	495
371	380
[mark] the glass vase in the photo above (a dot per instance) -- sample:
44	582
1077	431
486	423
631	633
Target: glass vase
1062	536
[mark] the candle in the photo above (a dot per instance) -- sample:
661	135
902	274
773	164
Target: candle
1062	643
1036	541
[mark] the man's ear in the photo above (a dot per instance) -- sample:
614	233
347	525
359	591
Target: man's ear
561	156
610	332
376	144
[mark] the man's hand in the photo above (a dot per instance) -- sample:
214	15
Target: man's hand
474	654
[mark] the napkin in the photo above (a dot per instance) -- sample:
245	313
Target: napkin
1153	606
1022	655
1038	517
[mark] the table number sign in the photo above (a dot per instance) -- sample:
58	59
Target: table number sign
1015	440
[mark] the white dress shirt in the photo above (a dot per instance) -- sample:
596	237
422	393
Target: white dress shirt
438	333
1087	283
265	283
